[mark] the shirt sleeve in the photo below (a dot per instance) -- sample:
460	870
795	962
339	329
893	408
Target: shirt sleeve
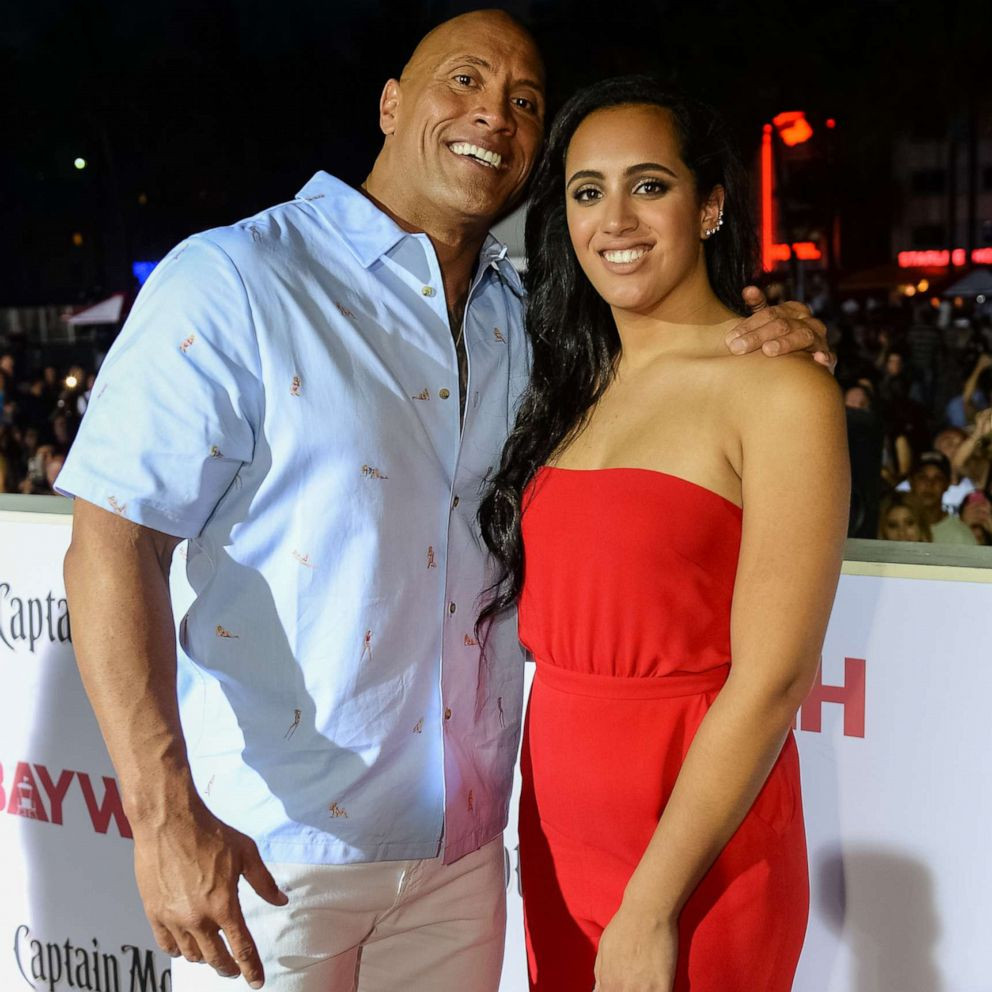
177	404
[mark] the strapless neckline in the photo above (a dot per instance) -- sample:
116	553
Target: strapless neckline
648	472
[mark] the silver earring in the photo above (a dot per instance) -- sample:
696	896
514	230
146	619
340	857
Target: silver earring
709	232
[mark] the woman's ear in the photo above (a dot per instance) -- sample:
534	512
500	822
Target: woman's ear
711	215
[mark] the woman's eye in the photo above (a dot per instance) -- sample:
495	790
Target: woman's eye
651	187
586	194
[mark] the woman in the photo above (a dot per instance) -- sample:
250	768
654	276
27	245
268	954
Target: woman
661	834
901	518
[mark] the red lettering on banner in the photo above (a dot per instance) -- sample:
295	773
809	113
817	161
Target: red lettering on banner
24	797
110	807
850	695
55	790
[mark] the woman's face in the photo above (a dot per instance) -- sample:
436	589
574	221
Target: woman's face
900	525
633	212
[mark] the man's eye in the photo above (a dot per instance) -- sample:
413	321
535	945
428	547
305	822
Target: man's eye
528	105
464	79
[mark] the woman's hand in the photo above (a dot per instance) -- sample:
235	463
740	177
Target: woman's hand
637	953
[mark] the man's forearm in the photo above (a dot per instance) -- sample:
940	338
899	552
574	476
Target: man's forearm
117	583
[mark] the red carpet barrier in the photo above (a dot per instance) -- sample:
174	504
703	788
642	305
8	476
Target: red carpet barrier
895	742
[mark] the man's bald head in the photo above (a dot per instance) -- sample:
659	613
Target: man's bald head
447	36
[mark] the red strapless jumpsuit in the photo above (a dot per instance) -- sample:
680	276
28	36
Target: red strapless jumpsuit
626	609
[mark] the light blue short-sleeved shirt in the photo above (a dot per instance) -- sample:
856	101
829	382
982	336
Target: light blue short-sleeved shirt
285	395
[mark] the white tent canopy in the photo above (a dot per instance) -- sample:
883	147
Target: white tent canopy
107	311
978	282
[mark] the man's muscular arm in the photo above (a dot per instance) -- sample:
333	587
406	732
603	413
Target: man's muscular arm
779	329
187	863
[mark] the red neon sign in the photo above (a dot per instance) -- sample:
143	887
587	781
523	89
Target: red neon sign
793	128
772	251
941	258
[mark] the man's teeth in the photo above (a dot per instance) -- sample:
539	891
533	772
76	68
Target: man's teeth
627	255
474	151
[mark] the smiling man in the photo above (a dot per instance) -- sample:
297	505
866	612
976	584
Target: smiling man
312	398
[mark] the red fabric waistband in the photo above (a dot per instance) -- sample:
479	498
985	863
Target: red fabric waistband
638	687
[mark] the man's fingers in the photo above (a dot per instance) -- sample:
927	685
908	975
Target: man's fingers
165	940
244	951
261	880
215	952
188	946
754	298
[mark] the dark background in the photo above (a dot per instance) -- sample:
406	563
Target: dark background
192	115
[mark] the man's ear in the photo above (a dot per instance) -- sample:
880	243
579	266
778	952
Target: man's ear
388	104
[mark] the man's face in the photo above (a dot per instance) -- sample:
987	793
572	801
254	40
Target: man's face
928	485
466	121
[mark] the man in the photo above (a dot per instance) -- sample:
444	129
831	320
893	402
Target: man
313	398
928	482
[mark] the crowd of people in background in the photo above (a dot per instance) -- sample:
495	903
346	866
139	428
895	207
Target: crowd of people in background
40	411
917	386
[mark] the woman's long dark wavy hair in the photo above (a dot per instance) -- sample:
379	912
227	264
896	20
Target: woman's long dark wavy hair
571	329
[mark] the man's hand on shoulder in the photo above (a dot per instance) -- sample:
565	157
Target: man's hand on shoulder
779	330
187	871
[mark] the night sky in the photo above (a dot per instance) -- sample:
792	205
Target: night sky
192	115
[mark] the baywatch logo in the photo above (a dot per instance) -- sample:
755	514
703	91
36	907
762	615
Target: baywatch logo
52	965
33	792
850	696
30	619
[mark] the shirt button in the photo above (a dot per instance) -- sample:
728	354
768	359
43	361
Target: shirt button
451	607
428	290
444	393
447	713
455	502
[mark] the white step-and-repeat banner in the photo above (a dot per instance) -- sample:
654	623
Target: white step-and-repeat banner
895	744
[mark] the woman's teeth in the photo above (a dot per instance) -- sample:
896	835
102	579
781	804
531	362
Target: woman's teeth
489	158
627	255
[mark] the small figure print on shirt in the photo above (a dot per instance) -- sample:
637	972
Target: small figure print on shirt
366	647
424	394
296	386
256	234
118	508
470	642
431	558
344	311
187	343
418	727
498	335
337	811
471	801
221	632
297	716
215	452
371	472
304	559
210	785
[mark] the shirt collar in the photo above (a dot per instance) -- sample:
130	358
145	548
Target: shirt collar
366	230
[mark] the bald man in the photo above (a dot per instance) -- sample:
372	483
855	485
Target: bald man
317	769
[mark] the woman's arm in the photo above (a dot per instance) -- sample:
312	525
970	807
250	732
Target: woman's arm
796	489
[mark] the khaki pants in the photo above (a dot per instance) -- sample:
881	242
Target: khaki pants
415	926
